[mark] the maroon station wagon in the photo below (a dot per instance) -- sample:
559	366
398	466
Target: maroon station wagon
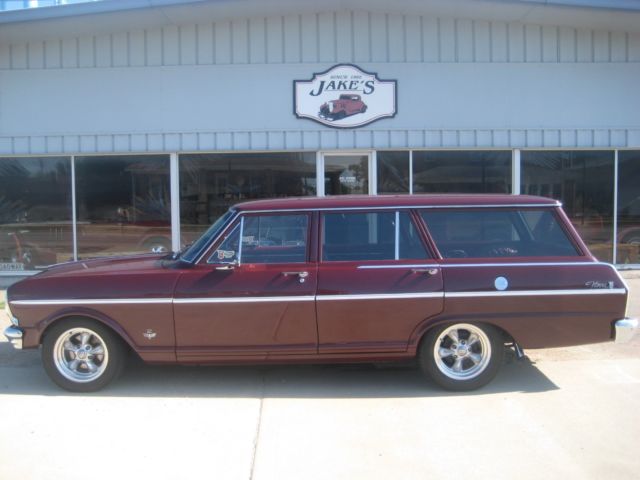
448	280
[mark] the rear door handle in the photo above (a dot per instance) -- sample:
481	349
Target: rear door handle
301	275
428	271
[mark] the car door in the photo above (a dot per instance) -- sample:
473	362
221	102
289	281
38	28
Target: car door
252	294
376	282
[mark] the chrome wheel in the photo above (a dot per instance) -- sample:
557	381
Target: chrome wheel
80	355
462	351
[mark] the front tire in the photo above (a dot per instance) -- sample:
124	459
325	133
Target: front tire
462	356
82	355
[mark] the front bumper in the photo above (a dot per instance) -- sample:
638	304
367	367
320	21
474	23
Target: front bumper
14	335
625	329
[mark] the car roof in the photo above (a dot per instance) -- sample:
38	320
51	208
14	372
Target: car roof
390	201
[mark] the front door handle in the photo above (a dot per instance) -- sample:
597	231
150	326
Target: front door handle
428	271
226	267
301	275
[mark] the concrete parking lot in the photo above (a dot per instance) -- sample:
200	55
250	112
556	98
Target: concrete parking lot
565	413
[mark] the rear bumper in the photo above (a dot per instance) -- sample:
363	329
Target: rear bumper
14	335
625	329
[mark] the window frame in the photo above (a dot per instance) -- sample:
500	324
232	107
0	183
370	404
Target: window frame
430	254
238	222
574	239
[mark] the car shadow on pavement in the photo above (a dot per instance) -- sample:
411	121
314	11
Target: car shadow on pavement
21	373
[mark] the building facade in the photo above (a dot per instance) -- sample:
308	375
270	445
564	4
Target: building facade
128	128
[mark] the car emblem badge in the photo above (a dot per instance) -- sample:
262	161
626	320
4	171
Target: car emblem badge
149	334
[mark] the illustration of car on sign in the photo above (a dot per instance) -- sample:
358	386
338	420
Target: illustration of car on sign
450	281
345	106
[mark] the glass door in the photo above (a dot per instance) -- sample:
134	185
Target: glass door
347	174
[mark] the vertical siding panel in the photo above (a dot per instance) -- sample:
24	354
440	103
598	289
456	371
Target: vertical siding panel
326	37
634	47
601	46
86	56
499	42
447	40
516	42
464	41
170	45
257	45
533	43
378	37
585	45
275	34
309	28
292	39
136	48
413	38
188	45
618	47
549	44
70	52
154	47
19	55
240	39
5	55
204	39
35	55
103	50
344	37
430	39
482	41
53	54
395	24
222	40
120	49
567	47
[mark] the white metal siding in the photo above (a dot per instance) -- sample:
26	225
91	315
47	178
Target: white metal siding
156	89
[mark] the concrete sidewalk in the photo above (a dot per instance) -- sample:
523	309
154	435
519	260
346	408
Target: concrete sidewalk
567	413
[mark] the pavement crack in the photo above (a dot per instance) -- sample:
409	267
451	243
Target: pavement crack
256	437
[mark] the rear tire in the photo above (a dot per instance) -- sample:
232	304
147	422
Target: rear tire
461	356
82	355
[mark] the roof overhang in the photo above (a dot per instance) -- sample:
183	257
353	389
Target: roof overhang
121	15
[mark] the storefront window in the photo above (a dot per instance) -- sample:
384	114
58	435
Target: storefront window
462	172
583	182
393	172
628	207
346	174
211	183
123	204
35	212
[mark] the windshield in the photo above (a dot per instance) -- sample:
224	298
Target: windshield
196	249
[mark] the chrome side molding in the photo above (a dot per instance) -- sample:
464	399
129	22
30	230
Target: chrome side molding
625	329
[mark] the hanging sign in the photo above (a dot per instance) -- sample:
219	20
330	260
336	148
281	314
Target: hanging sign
345	96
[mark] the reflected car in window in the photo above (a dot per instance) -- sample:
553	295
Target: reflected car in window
448	280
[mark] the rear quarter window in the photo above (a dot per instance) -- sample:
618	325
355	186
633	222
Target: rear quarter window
486	233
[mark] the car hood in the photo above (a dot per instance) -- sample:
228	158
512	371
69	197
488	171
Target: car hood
105	265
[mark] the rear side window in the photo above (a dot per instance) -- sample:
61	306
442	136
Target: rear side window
497	233
359	236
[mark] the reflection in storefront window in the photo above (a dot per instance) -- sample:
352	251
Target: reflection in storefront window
628	247
393	172
211	183
583	182
35	212
123	204
346	174
462	171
